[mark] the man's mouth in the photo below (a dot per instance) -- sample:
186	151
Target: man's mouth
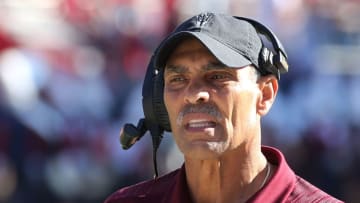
200	116
200	124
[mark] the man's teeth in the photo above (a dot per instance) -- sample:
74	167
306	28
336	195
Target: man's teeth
200	123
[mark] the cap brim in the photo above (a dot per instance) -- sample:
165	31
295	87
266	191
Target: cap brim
225	54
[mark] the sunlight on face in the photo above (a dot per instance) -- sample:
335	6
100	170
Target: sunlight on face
212	108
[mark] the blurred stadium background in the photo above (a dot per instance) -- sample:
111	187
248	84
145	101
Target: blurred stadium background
71	73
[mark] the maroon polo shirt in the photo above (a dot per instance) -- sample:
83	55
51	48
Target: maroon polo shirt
284	186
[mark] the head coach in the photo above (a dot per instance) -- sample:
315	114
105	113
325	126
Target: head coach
209	83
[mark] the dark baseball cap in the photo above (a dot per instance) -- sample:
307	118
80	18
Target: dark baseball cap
233	41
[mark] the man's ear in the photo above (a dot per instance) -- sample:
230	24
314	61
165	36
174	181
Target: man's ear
268	86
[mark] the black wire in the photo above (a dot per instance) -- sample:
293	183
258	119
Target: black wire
155	163
156	135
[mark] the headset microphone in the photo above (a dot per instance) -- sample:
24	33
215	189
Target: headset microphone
130	134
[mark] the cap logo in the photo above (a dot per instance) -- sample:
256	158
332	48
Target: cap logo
202	19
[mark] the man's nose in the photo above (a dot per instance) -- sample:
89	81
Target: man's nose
197	92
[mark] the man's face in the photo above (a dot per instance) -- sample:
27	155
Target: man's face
212	108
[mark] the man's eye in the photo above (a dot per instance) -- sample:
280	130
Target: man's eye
219	76
176	79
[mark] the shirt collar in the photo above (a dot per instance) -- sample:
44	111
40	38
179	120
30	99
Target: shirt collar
278	188
281	183
180	192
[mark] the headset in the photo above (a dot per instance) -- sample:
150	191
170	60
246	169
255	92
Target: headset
156	116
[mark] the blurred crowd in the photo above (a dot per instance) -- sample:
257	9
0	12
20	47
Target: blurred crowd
71	74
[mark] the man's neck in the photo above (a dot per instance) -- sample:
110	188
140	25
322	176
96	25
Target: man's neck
234	177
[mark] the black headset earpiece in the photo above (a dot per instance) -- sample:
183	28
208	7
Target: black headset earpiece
266	63
270	62
153	101
153	98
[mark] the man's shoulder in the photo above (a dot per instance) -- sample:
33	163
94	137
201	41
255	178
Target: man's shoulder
306	192
145	191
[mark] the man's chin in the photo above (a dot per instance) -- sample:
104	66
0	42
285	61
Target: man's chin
205	151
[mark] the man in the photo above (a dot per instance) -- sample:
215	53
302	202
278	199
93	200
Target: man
219	80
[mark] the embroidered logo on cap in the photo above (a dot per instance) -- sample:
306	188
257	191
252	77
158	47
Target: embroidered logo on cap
203	18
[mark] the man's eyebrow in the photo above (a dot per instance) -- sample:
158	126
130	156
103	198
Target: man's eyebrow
214	66
172	68
175	68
